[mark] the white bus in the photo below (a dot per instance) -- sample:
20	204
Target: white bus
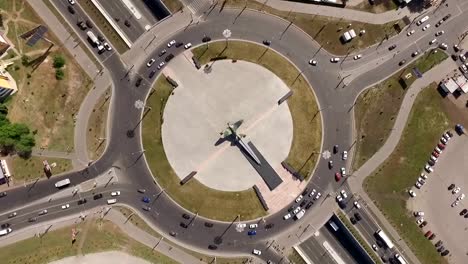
400	259
384	238
333	225
62	183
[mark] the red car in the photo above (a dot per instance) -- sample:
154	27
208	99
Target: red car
337	176
428	233
441	146
435	154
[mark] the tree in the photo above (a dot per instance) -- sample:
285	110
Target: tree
25	60
16	137
59	74
59	61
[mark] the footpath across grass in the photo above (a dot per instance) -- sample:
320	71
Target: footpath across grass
378	107
388	185
93	237
325	30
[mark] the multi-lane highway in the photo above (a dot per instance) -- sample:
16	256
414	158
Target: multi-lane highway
124	150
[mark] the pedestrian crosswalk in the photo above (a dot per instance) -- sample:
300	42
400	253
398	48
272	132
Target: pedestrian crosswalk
198	7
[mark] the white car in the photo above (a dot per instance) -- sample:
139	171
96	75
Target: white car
299	198
443	46
461	197
286	217
343	193
438	150
412	193
253	226
455	203
439	33
188	45
424	19
414	54
345	155
434	159
426	27
357	205
65	206
72	2
428	168
462	57
433	41
107	46
419	213
421	181
335	59
150	62
463	68
420	220
172	42
242	225
357	57
313	62
446	136
296	210
418	185
257	252
410	33
374	247
423	175
456	190
312	193
339	198
443	140
116	193
343	172
161	65
317	196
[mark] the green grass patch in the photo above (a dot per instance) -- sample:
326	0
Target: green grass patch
326	30
304	110
244	203
388	185
379	106
106	28
97	236
174	6
295	258
97	124
7	5
32	168
358	237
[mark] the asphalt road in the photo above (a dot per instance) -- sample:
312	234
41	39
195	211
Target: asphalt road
124	148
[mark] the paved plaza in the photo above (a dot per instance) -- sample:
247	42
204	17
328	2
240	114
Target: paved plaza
202	105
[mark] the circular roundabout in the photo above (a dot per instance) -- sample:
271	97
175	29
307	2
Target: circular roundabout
230	125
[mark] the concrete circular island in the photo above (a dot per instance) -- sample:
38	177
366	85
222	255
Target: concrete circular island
203	104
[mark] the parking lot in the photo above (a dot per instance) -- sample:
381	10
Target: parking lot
435	199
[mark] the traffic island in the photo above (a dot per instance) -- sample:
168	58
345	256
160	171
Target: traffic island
197	196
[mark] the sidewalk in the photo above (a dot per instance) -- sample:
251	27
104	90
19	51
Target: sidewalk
435	74
53	154
101	82
344	13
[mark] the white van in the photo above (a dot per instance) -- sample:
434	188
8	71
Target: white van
424	19
5	232
111	201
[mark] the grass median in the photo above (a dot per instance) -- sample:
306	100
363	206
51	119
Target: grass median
97	124
379	106
306	138
27	170
388	185
325	30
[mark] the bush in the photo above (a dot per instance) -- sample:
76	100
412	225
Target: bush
59	61
59	74
25	60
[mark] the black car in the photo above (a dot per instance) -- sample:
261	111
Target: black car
439	243
445	253
306	190
186	216
446	17
97	196
32	219
212	247
3	194
392	47
335	149
353	220
71	9
357	216
466	216
442	248
5	225
141	190
89	24
330	164
402	62
169	57
162	52
267	42
309	205
152	73
100	38
451	186
184	225
206	39
431	162
178	44
82	201
269	226
81	25
208	224
463	212
172	233
126	23
454	57
432	236
303	203
138	82
423	224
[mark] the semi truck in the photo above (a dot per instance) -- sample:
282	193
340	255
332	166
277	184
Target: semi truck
95	41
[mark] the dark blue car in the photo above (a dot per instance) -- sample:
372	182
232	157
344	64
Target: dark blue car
145	199
252	233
